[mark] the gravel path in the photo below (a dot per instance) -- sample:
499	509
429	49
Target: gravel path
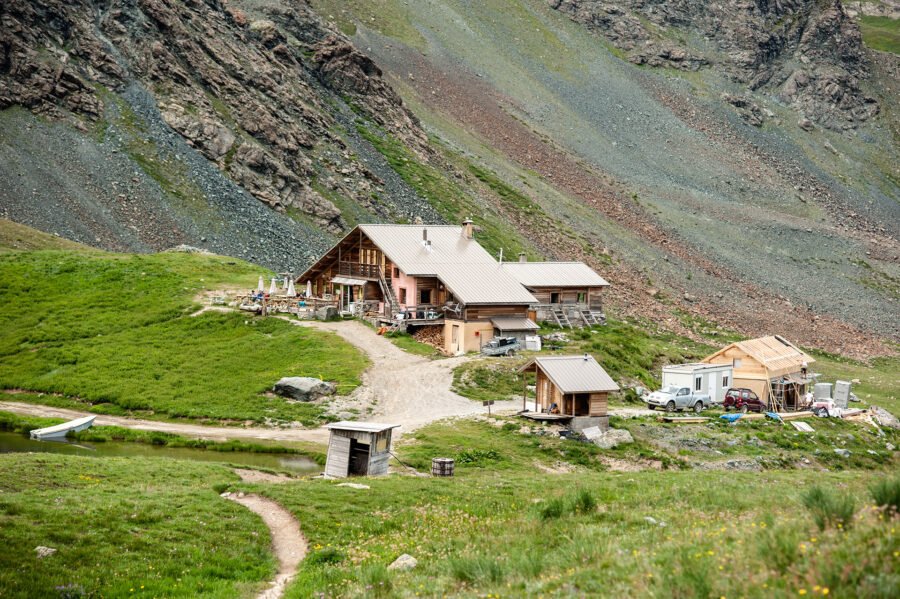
288	542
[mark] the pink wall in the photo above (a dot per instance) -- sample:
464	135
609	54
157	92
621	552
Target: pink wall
409	283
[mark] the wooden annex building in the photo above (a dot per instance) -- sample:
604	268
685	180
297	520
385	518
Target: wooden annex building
567	292
570	387
358	449
772	367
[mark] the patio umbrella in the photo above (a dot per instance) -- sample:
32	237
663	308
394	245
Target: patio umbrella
273	288
261	286
309	289
291	292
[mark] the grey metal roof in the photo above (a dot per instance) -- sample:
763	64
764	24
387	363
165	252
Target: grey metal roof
363	427
468	271
554	274
513	323
574	374
693	366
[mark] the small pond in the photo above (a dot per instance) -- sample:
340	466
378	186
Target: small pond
297	464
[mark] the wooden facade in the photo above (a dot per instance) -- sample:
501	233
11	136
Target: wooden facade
583	392
358	449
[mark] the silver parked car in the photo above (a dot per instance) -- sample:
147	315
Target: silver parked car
677	398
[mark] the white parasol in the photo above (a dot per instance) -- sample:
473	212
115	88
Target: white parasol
273	288
261	286
291	292
309	289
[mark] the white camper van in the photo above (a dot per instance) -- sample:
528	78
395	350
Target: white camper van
710	379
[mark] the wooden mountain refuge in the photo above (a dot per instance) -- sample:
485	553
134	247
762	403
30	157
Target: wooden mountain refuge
358	449
568	293
569	388
772	367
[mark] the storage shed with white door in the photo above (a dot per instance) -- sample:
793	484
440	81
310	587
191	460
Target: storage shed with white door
711	379
358	449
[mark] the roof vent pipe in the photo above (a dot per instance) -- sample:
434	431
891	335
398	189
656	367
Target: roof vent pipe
522	257
424	235
468	229
587	357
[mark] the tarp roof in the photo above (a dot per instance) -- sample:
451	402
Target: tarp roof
513	323
777	354
349	281
554	274
574	374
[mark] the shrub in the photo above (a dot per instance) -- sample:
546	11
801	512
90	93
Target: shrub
886	494
475	456
828	509
328	555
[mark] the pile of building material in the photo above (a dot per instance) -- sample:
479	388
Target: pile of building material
433	336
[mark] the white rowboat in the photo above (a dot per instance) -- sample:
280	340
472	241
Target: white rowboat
60	431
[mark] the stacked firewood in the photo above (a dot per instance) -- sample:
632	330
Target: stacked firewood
433	336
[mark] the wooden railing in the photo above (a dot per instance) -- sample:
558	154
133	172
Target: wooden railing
354	269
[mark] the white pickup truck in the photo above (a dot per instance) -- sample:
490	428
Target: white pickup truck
673	398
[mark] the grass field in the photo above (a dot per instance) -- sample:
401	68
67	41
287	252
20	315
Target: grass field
113	331
881	33
125	527
504	528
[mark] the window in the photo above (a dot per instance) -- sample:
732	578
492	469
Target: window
582	297
737	362
401	295
698	383
724	380
554	298
396	273
424	296
684	391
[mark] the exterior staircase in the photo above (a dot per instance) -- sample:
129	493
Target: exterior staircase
592	317
387	291
559	315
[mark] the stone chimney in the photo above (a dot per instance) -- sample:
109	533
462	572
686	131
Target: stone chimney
468	229
522	257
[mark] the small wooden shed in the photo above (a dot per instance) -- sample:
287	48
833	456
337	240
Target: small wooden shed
577	385
358	449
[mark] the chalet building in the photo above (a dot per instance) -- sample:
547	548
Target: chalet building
567	292
420	275
772	367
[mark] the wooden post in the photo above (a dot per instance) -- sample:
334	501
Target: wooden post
524	389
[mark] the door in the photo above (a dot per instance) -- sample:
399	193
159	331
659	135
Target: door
712	388
338	461
681	400
455	341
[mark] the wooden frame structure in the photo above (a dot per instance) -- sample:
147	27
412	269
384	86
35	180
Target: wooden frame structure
576	385
358	449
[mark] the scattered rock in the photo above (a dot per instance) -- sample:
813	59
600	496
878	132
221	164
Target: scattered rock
43	552
354	485
303	388
805	124
884	418
404	562
613	438
844	453
650	520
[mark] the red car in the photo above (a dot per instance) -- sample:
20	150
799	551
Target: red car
743	400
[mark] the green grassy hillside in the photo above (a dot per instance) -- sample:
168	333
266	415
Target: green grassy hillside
115	331
14	236
881	33
125	527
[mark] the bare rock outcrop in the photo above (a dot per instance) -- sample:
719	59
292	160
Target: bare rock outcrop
808	52
254	93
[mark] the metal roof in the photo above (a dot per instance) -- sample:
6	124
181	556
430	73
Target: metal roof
468	271
692	366
554	274
574	374
777	354
513	323
349	281
363	427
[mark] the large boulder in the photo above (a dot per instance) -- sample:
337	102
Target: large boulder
404	562
883	417
303	388
326	313
613	438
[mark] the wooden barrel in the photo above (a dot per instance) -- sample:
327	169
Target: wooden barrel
442	466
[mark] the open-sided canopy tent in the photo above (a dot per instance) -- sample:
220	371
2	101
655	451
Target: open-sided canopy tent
766	363
358	448
578	385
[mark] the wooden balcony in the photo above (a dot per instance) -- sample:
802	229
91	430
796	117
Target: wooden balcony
359	271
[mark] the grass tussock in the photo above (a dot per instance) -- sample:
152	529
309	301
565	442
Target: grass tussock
886	494
829	509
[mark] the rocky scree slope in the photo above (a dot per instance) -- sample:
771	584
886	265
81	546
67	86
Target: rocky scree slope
807	52
264	93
